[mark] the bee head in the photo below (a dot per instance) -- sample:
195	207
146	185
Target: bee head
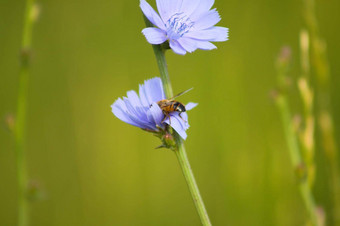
179	107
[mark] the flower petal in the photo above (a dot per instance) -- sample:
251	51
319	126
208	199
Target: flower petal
176	124
140	119
189	6
151	14
205	45
167	8
156	113
190	106
207	20
131	109
154	90
154	35
177	48
215	34
136	102
120	111
203	7
188	44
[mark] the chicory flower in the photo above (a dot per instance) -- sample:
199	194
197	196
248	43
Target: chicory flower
187	25
143	111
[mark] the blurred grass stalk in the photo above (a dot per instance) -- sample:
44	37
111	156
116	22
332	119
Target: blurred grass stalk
290	126
30	16
180	150
306	132
325	118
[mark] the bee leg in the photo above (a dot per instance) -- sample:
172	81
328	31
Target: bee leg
165	116
181	117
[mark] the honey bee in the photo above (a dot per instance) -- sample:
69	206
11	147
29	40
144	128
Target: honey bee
171	105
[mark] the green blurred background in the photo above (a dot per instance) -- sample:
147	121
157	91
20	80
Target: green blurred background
94	169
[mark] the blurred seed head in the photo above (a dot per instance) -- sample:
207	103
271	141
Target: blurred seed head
326	124
301	171
273	94
35	191
10	122
304	46
297	121
321	216
306	93
285	56
309	135
35	12
304	39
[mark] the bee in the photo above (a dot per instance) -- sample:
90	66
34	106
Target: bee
171	105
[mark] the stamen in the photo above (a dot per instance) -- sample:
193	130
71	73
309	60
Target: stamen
178	25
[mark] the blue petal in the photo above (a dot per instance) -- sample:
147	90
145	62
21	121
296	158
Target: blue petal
215	34
156	112
184	120
154	35
151	91
203	7
176	124
167	8
189	6
177	48
140	116
207	20
136	102
190	106
140	119
151	14
143	98
120	111
205	45
154	90
188	44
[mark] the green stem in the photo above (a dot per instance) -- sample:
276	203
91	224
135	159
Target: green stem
180	150
325	118
162	66
296	159
20	125
190	179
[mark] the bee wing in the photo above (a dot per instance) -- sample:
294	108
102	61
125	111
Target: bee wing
181	93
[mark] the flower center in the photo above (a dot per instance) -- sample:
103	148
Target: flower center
178	25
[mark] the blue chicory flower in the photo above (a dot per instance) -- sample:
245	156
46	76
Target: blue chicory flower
143	111
187	25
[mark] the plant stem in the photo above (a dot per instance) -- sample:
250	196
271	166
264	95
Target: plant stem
189	177
295	156
20	125
306	134
325	118
180	150
299	166
162	66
